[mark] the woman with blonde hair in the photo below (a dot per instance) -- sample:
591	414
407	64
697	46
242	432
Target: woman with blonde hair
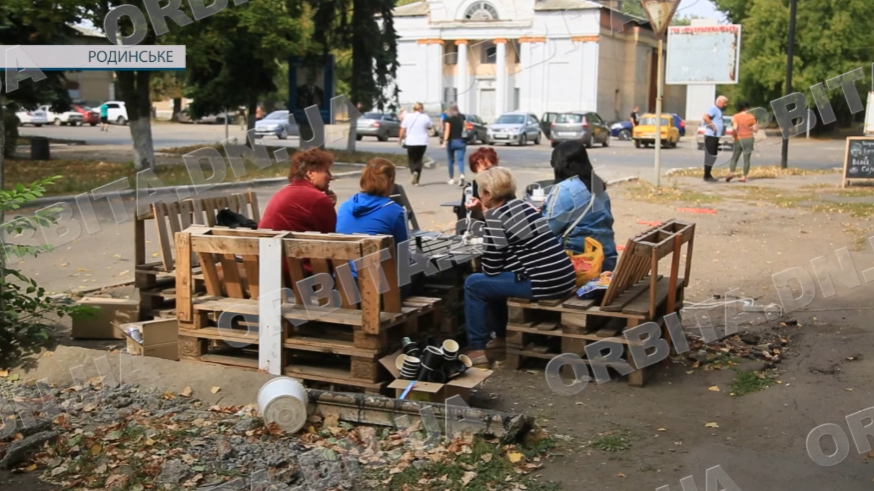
414	137
522	258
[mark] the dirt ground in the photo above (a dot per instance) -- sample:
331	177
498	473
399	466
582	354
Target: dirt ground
760	228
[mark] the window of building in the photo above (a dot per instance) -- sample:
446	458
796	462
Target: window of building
450	53
489	53
481	11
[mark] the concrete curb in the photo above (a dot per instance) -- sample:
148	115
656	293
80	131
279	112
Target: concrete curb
173	189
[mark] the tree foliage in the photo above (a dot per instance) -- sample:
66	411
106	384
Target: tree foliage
831	38
367	28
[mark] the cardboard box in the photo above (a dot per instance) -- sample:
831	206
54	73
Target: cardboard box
461	386
113	313
160	338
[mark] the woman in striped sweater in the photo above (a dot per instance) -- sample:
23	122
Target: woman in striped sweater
522	258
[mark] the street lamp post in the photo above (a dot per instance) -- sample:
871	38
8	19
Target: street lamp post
660	87
793	4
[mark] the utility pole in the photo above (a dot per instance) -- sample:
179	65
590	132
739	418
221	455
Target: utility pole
793	4
659	13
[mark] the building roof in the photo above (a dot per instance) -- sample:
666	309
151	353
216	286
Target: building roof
421	8
412	10
566	5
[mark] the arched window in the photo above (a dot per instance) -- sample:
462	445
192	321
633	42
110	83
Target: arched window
481	11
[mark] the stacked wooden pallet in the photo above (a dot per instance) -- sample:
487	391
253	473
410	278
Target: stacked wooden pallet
156	281
320	343
637	294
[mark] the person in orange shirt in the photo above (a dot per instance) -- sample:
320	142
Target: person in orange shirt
744	125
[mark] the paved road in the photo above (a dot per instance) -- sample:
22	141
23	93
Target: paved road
620	159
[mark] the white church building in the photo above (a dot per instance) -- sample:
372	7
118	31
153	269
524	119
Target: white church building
538	56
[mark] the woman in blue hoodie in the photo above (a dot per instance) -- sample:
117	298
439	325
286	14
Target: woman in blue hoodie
575	182
372	211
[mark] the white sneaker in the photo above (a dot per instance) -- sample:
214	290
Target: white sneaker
461	181
451	182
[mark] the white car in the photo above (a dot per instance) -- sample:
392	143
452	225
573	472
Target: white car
116	112
36	117
71	118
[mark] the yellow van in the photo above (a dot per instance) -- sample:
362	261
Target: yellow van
644	133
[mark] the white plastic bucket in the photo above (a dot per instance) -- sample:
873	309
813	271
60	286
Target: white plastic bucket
283	401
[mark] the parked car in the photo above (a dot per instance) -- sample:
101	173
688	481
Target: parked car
726	140
514	127
36	117
584	126
622	130
274	124
89	115
644	133
475	130
116	112
185	117
66	118
546	123
381	125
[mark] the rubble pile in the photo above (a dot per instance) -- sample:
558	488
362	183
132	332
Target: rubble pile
770	347
129	438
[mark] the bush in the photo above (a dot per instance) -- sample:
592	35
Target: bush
10	132
27	312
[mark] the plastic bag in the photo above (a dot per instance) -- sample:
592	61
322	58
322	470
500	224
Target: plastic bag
588	264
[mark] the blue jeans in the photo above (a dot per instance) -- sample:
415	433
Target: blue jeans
455	149
485	305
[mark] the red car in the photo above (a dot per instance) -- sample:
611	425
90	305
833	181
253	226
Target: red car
89	116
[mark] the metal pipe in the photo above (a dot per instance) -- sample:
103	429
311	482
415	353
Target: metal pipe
658	115
793	5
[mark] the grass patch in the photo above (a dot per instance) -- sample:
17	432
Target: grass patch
644	191
339	155
492	468
611	443
749	381
83	176
756	172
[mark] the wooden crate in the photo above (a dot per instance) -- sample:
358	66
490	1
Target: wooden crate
367	324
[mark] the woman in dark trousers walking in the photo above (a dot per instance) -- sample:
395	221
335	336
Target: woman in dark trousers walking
414	137
454	143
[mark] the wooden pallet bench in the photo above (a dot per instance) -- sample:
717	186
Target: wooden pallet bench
319	343
156	280
637	294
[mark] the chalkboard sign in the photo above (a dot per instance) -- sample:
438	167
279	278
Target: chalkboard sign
858	159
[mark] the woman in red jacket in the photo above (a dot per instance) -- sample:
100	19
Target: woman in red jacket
307	203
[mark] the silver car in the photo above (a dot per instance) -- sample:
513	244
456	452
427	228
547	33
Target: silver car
583	126
382	126
274	124
515	127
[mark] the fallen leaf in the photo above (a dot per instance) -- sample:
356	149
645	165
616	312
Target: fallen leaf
711	425
215	390
89	407
4	373
96	448
467	478
59	470
690	372
848	390
713	389
100	469
186	392
515	456
662	429
871	455
487	457
127	271
112	436
13	377
30	468
620	475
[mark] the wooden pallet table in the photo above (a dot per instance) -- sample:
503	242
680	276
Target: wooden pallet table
322	343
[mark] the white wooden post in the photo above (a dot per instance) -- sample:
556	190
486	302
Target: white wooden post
270	306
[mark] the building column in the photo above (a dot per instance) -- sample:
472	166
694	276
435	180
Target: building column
462	83
433	74
500	76
532	74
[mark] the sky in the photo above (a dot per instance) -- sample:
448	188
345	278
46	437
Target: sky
700	8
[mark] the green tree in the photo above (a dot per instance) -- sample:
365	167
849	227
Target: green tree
239	55
831	39
168	85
